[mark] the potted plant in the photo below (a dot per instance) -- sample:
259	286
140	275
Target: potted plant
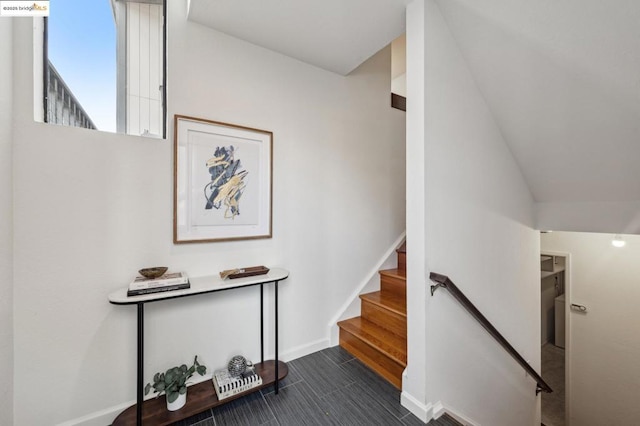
173	383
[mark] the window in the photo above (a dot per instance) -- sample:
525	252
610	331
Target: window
104	65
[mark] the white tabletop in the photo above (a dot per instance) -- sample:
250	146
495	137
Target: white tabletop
199	285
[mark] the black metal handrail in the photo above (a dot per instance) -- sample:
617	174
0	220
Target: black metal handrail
444	281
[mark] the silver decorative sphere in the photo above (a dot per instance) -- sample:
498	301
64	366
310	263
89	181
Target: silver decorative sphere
237	365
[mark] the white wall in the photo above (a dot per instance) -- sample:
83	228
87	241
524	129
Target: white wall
414	380
478	231
604	342
6	219
92	208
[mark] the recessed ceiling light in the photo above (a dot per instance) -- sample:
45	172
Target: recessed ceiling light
618	241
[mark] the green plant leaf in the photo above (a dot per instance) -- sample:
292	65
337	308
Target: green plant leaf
173	381
171	397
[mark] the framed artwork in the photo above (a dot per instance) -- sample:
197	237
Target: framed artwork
222	181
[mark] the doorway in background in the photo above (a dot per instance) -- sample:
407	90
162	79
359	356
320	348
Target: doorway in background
553	338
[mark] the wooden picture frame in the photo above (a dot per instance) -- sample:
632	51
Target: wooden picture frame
222	181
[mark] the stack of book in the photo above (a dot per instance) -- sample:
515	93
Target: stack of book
167	282
227	385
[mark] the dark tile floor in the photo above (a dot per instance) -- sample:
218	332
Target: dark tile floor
553	371
329	387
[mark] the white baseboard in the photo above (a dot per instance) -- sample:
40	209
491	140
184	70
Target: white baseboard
99	418
439	409
303	350
429	411
417	408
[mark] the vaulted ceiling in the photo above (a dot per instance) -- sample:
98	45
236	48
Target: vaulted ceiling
562	78
336	35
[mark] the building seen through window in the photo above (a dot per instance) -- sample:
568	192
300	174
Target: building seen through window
104	65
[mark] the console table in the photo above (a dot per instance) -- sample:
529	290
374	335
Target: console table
201	396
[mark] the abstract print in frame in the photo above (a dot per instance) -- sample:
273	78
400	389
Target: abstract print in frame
222	181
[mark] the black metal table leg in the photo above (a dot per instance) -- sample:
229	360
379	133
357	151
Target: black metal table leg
276	360
261	324
140	363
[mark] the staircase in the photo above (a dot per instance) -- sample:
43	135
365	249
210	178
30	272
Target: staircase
378	337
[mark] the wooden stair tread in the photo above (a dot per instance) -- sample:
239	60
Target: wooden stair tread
394	273
386	342
393	302
378	337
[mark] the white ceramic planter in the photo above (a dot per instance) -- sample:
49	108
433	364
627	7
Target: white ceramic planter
178	403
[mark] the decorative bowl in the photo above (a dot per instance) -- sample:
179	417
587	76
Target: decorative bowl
154	272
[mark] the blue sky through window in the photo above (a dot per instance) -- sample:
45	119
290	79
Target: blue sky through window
82	47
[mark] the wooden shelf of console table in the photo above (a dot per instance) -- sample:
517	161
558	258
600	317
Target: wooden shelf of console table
200	397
